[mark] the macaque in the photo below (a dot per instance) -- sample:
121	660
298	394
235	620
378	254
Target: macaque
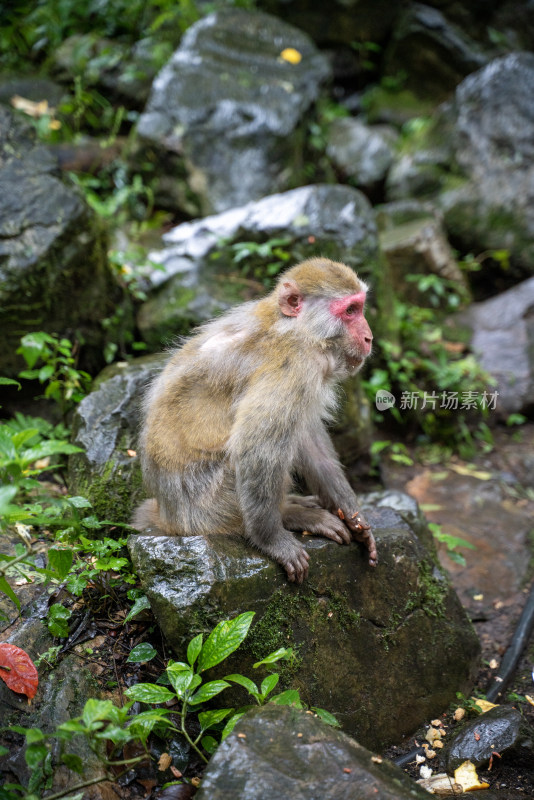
242	406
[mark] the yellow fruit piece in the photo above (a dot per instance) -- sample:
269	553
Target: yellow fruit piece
484	705
466	776
291	55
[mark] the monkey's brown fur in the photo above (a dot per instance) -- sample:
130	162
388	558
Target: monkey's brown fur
243	403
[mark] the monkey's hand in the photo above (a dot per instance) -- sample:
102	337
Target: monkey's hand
361	531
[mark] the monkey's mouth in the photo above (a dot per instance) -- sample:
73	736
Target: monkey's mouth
353	362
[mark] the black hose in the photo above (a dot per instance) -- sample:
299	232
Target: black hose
401	761
525	626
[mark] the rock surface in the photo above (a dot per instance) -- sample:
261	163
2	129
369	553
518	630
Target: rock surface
477	161
105	425
54	274
499	730
503	340
361	152
277	751
225	108
381	649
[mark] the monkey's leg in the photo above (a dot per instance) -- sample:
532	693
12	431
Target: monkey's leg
310	501
315	520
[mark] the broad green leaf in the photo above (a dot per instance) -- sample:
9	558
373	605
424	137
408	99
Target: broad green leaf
193	649
149	693
242	680
24	436
7	590
144	723
50	448
9	382
277	655
180	678
96	710
142	652
268	684
78	502
326	717
207	691
73	762
290	697
67	729
141	604
223	640
208	743
230	725
60	561
208	719
58	620
7	448
35	754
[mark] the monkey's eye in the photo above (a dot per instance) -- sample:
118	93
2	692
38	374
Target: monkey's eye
350	310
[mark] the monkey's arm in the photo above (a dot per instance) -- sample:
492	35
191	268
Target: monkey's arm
319	466
261	446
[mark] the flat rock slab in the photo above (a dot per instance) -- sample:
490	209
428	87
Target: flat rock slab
277	751
382	648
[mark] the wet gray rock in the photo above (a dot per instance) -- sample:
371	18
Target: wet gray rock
290	753
54	275
477	161
435	53
503	341
413	241
381	649
219	123
501	730
361	152
105	424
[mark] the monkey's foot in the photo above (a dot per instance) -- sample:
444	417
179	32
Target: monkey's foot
315	520
361	531
296	565
310	501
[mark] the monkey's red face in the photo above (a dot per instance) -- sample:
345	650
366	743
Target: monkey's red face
349	310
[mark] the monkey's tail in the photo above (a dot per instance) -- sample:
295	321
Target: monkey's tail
147	518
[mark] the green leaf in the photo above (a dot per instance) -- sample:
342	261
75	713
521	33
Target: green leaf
223	640
230	725
149	693
193	649
7	590
268	684
290	697
35	755
24	436
144	723
142	652
9	382
58	620
326	716
182	679
208	743
208	719
60	561
78	502
242	680
96	710
208	691
73	762
277	655
141	604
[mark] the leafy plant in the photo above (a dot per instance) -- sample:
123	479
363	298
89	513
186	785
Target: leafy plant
65	384
258	260
108	728
451	543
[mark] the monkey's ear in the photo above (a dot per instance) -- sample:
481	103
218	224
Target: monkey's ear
290	299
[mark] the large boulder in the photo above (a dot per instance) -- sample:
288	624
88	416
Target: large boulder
292	754
54	274
502	338
477	161
218	127
382	649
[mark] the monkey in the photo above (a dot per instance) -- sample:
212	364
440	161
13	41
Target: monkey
243	405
